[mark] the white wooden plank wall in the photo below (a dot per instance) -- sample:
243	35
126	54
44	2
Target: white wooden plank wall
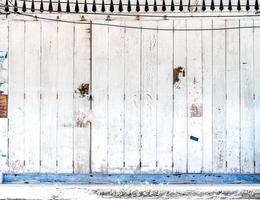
81	104
180	100
32	71
16	96
257	95
233	100
141	122
44	135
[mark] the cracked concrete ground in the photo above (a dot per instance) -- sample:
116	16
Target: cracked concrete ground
95	192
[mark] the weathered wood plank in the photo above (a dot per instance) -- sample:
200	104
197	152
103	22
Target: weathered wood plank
233	97
49	96
148	97
100	98
247	97
32	96
116	98
207	95
4	121
219	98
81	103
132	97
180	100
65	98
16	96
257	94
194	92
165	98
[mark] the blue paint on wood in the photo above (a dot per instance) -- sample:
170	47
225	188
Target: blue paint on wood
131	178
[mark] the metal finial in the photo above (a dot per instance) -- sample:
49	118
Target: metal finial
172	6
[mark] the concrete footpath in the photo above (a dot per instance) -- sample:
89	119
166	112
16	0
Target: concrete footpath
94	192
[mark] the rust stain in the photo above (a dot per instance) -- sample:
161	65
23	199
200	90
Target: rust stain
82	122
83	90
196	111
3	106
176	74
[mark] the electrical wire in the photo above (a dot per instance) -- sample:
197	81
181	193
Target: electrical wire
135	27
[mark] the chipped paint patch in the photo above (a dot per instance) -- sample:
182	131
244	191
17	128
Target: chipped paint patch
176	74
83	90
196	111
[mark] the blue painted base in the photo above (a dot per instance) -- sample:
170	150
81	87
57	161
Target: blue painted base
29	178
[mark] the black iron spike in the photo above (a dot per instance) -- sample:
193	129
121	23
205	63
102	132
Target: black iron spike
94	7
6	6
129	6
181	6
256	5
238	5
59	6
163	6
146	6
120	7
203	5
221	6
41	6
230	5
247	5
189	5
172	6
24	6
50	6
76	6
68	6
212	5
15	6
103	7
111	6
85	6
137	6
154	6
32	6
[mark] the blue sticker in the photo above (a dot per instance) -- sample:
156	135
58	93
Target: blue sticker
194	138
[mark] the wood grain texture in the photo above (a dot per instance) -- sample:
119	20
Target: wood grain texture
180	101
247	97
32	93
16	96
81	104
233	98
49	108
219	98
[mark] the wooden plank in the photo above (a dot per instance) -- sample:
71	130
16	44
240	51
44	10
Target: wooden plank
165	98
100	98
49	96
257	94
194	92
219	98
180	100
4	121
16	96
116	98
247	93
149	97
32	96
233	102
65	98
132	97
207	95
81	103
